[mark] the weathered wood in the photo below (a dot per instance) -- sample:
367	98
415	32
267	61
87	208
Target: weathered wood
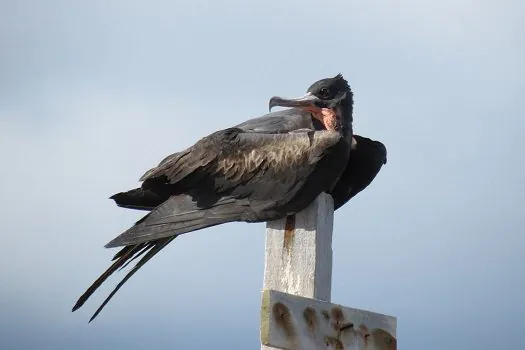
298	252
296	312
298	323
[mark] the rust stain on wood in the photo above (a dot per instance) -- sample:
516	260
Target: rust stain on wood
289	229
282	317
338	317
311	318
384	340
334	343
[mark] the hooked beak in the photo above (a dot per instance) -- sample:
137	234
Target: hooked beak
307	101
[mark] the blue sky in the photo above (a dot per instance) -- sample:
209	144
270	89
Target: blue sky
92	95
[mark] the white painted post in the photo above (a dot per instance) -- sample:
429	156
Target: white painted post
298	254
296	312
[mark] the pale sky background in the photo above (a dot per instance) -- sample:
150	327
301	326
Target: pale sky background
92	94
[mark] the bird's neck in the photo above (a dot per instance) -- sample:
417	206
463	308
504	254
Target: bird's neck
345	112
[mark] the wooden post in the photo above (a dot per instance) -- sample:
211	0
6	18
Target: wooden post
298	254
296	312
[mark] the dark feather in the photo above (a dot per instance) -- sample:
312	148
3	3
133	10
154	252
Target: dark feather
123	255
155	248
139	254
179	215
141	199
364	164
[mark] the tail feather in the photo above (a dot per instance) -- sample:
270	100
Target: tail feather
155	247
139	254
178	215
124	254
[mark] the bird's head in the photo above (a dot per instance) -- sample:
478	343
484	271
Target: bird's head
330	100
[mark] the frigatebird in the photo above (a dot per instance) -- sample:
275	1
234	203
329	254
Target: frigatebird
367	157
260	170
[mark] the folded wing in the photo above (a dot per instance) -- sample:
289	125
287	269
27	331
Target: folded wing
234	175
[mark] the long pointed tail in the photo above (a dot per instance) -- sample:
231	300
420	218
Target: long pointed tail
177	215
123	258
180	214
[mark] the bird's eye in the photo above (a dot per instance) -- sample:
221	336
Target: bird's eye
324	91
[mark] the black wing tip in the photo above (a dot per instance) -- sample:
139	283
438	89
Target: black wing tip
80	302
119	198
113	243
93	317
151	253
378	146
123	256
116	196
384	152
